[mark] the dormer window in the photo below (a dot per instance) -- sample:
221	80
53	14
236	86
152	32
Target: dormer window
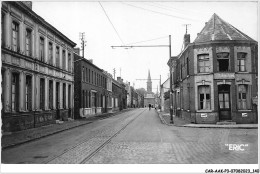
223	62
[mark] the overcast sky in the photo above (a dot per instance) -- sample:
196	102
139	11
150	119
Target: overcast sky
120	23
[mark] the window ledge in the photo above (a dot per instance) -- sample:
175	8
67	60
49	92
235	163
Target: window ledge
242	72
245	110
204	111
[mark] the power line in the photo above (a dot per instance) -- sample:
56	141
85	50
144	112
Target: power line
165	14
111	23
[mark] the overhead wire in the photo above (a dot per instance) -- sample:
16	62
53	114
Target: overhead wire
157	12
111	22
147	40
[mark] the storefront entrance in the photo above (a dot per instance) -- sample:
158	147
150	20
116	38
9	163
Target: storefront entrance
224	102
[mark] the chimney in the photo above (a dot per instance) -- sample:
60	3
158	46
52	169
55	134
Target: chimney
91	60
186	40
76	50
119	79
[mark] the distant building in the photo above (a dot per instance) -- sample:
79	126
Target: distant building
165	87
91	97
37	69
149	96
215	77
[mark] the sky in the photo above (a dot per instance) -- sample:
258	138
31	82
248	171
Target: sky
119	23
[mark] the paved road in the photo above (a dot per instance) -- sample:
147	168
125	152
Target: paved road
138	137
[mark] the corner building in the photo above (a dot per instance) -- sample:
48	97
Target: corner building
37	69
215	77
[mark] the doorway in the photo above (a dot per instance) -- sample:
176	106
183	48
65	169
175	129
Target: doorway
224	102
57	101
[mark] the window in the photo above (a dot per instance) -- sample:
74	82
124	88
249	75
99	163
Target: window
203	63
42	93
187	62
51	94
63	60
41	48
3	28
83	99
243	94
82	74
50	53
57	56
92	77
28	93
241	57
69	96
69	62
93	99
204	97
15	36
89	75
223	62
15	92
64	96
28	42
181	72
86	74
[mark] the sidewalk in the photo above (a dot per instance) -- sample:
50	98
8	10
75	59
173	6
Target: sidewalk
165	118
21	137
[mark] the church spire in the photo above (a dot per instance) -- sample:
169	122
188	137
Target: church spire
149	83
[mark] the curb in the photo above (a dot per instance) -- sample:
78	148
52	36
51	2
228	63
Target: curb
62	130
215	127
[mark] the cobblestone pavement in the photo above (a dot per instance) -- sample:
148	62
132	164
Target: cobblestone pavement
141	139
146	142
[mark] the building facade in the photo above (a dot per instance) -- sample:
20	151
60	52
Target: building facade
215	77
37	70
165	102
90	88
109	100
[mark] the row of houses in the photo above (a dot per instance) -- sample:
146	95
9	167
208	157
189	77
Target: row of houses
214	79
43	78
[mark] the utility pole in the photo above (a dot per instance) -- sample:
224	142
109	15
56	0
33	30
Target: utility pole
169	46
83	42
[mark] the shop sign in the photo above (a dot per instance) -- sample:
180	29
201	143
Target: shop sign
244	114
204	115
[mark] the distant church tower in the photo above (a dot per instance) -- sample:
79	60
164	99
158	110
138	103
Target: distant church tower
149	83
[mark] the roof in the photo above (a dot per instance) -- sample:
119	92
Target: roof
44	23
216	29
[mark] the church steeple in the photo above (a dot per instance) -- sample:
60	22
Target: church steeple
149	83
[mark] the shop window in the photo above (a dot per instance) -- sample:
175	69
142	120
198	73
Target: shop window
42	93
203	63
223	62
50	53
241	58
28	93
28	42
204	97
15	92
93	99
15	36
41	49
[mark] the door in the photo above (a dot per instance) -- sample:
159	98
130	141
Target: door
224	102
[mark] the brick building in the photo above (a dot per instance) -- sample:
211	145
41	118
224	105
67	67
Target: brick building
215	77
37	69
90	88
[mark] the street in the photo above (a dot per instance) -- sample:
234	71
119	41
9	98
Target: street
138	137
